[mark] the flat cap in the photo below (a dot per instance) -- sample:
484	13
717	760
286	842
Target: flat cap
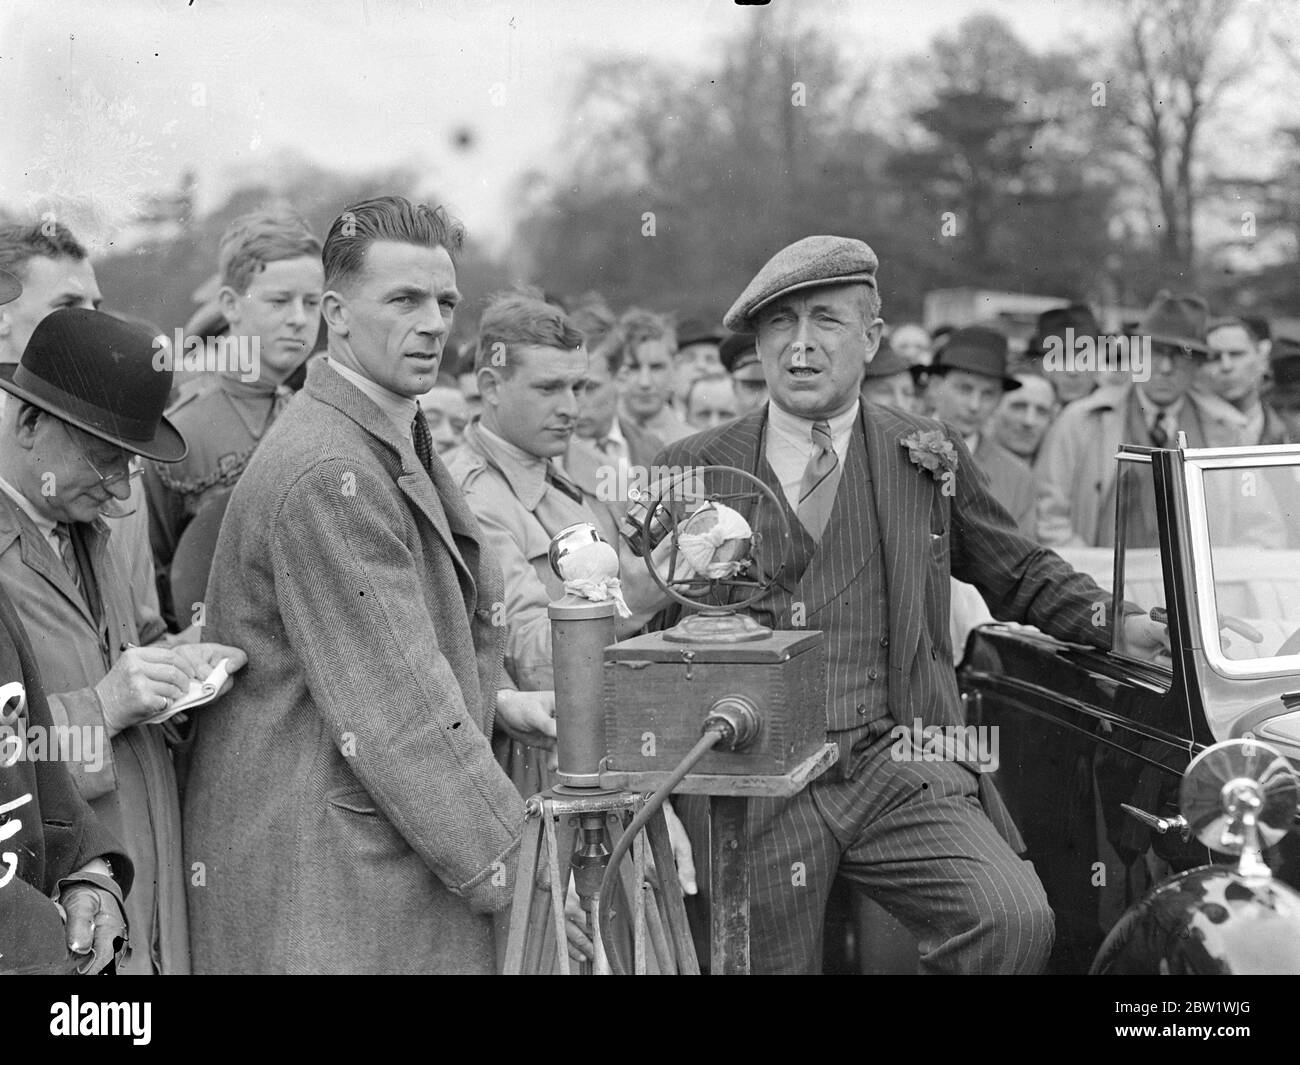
807	263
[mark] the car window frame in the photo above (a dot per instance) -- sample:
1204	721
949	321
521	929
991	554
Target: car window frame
1195	462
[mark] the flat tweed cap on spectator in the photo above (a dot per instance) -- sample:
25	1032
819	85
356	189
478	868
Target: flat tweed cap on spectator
807	263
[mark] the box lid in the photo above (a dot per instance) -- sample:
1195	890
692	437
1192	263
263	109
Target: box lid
652	647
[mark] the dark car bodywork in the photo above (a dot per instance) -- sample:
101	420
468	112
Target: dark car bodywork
1083	732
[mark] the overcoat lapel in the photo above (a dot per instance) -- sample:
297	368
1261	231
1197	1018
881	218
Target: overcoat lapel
438	498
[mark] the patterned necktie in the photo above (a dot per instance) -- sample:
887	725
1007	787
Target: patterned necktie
68	553
1159	430
820	479
423	440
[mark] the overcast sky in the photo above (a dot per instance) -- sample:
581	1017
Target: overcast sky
111	98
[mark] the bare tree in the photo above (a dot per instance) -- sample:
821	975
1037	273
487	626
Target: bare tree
1171	76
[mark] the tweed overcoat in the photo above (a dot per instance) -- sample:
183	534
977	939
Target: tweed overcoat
344	811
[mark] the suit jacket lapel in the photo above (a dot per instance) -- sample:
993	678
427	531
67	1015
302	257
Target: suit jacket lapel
904	529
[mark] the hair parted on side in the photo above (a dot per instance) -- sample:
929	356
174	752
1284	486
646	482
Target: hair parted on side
385	218
50	240
260	237
636	326
520	319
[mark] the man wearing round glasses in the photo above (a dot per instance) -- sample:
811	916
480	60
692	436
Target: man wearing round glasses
84	399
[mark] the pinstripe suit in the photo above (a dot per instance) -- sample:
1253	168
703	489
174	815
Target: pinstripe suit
912	833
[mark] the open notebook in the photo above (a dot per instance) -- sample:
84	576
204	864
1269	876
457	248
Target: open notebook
200	694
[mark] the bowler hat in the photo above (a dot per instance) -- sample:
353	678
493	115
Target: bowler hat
1284	365
975	349
98	373
1179	321
1055	321
808	263
10	287
888	362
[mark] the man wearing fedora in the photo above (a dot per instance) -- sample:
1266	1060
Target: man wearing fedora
1074	321
82	401
963	386
1076	467
885	508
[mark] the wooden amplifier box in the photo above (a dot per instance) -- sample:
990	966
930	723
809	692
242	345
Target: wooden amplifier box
658	693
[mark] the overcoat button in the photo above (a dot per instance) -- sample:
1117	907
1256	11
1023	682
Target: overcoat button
862	709
884	641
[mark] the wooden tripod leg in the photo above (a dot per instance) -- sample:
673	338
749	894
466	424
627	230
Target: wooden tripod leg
559	889
520	909
670	891
729	886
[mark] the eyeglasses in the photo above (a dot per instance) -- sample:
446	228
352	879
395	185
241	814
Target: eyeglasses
106	483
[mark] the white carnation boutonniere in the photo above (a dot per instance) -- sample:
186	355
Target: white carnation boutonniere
932	450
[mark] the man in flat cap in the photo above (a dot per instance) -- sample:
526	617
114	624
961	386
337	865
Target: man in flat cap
884	507
82	401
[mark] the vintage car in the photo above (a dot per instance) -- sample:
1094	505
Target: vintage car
1093	744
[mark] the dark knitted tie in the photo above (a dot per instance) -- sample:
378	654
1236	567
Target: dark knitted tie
820	479
423	440
68	553
1159	434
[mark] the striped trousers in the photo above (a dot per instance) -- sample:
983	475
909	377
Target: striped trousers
911	834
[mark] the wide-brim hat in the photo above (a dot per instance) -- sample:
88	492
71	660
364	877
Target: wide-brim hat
975	349
888	362
104	376
808	263
10	287
1178	321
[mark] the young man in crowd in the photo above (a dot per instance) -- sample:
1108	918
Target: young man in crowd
271	284
1023	415
645	382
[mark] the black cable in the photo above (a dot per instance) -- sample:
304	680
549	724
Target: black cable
713	733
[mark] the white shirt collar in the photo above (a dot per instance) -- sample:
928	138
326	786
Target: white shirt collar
797	428
400	410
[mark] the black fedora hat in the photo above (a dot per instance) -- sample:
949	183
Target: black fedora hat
98	373
975	349
10	287
1178	321
1055	321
